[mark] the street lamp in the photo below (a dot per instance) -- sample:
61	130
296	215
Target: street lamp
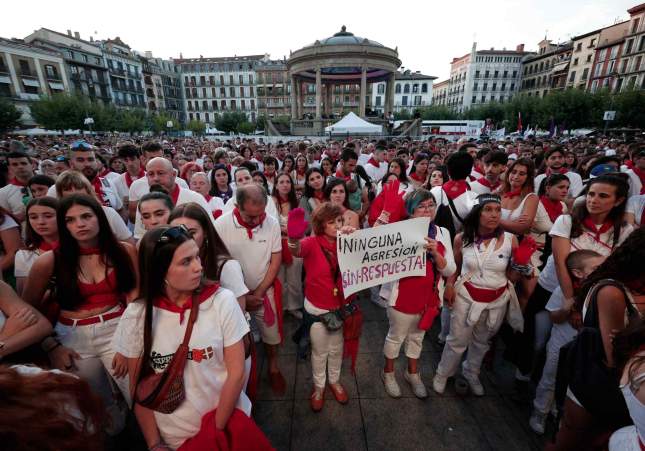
89	122
169	126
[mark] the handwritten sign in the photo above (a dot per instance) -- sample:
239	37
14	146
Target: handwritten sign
374	256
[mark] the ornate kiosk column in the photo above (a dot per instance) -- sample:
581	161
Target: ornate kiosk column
361	108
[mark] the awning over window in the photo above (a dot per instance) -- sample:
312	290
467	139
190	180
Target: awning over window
30	82
56	86
561	67
4	79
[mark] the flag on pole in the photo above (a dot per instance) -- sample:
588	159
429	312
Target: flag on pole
519	121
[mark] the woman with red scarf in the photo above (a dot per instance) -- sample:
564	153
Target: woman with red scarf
332	321
419	173
290	275
519	203
41	236
413	302
298	174
314	194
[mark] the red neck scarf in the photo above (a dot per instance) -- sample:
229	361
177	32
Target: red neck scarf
249	228
484	181
15	181
553	208
416	177
373	162
269	175
129	179
208	198
513	194
301	172
595	230
455	188
164	303
319	195
97	183
550	171
330	247
175	194
341	175
45	246
283	199
89	251
104	172
641	175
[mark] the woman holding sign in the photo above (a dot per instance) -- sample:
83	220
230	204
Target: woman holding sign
489	261
413	302
332	322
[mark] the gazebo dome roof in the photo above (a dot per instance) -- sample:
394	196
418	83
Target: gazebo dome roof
344	37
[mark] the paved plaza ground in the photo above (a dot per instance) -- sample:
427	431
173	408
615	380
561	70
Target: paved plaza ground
373	421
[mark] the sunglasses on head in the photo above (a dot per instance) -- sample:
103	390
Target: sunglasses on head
173	233
76	145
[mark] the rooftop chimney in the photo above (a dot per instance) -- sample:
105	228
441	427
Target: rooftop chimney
91	38
77	35
519	48
69	32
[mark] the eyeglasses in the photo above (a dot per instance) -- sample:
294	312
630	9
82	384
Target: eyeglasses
173	233
427	207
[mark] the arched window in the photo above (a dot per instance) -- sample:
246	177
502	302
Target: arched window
397	89
424	87
406	89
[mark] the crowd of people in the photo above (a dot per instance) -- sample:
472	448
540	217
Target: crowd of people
143	276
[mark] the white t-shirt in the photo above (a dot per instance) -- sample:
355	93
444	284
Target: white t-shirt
562	228
375	174
11	198
635	206
563	332
232	278
140	187
110	197
463	204
220	323
253	254
185	196
575	183
270	209
23	261
117	224
121	186
635	184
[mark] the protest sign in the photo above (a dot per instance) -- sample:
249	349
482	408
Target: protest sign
374	256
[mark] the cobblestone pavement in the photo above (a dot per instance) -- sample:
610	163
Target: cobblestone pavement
373	421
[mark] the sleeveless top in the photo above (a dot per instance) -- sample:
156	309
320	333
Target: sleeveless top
517	212
635	406
100	294
488	267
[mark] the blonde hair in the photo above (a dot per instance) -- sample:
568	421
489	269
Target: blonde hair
73	179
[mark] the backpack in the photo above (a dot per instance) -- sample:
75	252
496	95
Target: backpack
582	369
443	217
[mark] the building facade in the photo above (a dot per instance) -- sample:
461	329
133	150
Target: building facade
86	68
440	93
126	74
631	72
217	85
582	55
484	76
28	72
607	57
273	88
412	90
546	70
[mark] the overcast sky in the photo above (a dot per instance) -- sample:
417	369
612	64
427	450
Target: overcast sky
427	33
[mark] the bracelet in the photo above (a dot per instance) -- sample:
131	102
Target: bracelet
53	347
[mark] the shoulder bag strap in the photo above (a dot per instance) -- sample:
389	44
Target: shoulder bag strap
453	208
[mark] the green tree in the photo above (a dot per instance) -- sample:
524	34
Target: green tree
437	113
159	122
630	108
246	128
9	115
230	121
61	111
197	127
131	121
403	115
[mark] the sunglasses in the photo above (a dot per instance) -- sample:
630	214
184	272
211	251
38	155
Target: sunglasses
173	233
76	145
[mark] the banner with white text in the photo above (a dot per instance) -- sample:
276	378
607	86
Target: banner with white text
377	255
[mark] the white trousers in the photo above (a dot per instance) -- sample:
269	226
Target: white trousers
93	344
291	279
270	334
326	350
403	328
544	392
473	337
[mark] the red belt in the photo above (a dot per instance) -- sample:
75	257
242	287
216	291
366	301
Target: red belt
485	295
91	320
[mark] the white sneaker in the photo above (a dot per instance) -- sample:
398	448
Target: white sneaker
439	383
537	422
391	385
476	386
418	388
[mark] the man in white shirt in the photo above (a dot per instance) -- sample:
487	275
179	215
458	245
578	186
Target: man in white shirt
637	174
554	160
242	177
15	195
131	157
253	239
159	171
376	167
83	159
494	165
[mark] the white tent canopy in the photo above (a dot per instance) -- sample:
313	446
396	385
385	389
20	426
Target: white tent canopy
41	131
352	124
